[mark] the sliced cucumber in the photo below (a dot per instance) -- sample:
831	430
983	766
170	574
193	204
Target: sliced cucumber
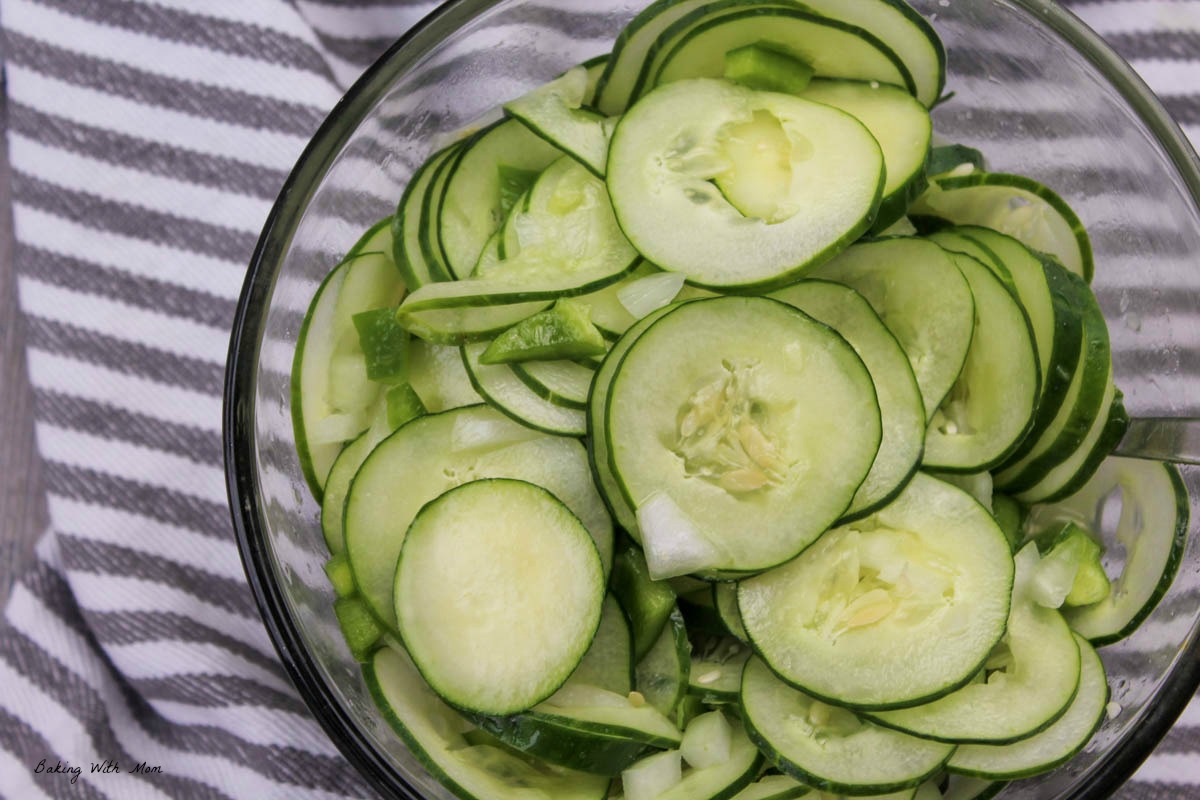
956	240
410	221
901	409
696	47
1032	678
924	300
719	781
773	787
716	671
345	467
758	377
991	406
564	383
905	32
780	208
1152	530
505	390
471	210
553	112
902	127
1054	746
437	375
499	590
433	732
662	674
587	729
830	748
725	602
435	453
956	158
595	68
873	616
608	663
429	230
1015	205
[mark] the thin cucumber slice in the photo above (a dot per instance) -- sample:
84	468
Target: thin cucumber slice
553	112
797	208
830	748
716	671
608	664
725	602
661	675
584	728
902	127
904	31
648	603
597	435
873	617
470	209
409	222
1018	206
960	787
595	68
505	390
1152	530
437	375
773	787
991	406
1033	678
428	234
1081	404
901	409
721	780
563	383
957	158
924	300
337	487
956	240
434	733
1054	746
462	312
834	49
435	453
310	382
499	590
730	444
1075	470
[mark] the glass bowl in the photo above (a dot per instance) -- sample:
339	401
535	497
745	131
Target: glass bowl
1037	91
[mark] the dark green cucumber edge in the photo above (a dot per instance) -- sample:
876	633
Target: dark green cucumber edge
545	392
587	747
411	204
478	387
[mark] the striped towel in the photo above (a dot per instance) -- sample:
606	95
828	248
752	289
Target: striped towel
148	141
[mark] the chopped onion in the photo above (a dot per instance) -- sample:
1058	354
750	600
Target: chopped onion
673	542
646	295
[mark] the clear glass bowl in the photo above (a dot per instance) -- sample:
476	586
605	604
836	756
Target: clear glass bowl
1036	90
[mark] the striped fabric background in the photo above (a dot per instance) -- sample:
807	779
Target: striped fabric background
148	141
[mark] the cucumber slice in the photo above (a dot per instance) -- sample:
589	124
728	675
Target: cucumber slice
991	406
563	332
720	781
462	312
872	616
662	674
432	731
959	787
1010	516
956	240
648	603
924	300
1018	206
957	158
773	787
725	601
608	663
755	376
809	201
830	748
429	231
1081	406
481	567
505	390
435	453
834	49
1152	531
563	383
1054	746
409	222
337	487
716	672
584	728
554	113
470	209
903	129
905	32
768	69
900	406
594	68
437	375
1033	678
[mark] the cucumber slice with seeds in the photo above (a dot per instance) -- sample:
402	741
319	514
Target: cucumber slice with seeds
872	617
608	663
505	389
662	674
732	440
669	146
901	409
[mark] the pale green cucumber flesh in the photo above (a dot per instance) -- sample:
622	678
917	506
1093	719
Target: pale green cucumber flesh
511	395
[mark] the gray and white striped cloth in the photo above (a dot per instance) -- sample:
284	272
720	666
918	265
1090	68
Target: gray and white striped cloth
148	139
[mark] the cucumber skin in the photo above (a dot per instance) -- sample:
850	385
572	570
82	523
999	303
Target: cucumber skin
578	747
399	252
1114	431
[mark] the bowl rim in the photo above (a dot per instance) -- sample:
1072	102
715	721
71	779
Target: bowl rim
238	412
